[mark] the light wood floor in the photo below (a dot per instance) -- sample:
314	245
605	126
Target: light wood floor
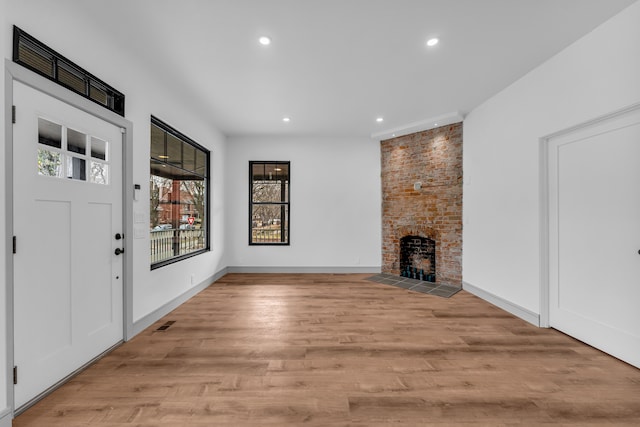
329	350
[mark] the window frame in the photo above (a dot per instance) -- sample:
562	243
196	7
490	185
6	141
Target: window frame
91	85
169	130
286	203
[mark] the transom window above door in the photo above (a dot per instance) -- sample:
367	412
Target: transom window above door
64	152
40	58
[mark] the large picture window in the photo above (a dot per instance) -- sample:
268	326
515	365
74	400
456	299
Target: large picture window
179	185
269	203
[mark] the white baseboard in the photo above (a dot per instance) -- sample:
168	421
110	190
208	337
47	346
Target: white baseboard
148	320
5	418
505	305
304	270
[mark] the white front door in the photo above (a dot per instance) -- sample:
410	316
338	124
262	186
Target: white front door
68	284
594	224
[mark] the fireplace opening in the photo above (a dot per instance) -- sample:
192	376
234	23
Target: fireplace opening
418	258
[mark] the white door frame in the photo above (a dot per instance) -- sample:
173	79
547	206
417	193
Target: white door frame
545	282
15	72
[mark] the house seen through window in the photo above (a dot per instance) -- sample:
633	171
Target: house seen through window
179	183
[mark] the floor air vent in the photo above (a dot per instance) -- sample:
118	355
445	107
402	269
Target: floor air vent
166	326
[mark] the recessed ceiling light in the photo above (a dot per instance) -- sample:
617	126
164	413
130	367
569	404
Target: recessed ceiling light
265	41
435	124
379	120
432	42
163	157
286	119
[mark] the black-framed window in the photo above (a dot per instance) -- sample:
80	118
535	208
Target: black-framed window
179	196
269	201
38	57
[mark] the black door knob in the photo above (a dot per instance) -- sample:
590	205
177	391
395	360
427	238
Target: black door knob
119	251
118	236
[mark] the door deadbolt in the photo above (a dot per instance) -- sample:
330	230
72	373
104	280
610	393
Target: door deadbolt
119	251
118	236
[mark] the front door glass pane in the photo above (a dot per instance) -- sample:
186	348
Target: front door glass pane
49	163
99	173
76	141
76	168
49	133
98	148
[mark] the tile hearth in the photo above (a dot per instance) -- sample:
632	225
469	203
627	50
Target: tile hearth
445	291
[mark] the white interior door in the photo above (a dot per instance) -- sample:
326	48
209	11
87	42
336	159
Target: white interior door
594	219
68	285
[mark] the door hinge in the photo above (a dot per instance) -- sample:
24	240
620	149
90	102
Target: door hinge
15	245
13	114
15	375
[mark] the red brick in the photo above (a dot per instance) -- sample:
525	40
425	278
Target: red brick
433	157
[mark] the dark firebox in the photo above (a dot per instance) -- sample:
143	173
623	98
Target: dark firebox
418	258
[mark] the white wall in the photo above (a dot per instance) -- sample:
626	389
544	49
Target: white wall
596	75
57	25
3	233
335	202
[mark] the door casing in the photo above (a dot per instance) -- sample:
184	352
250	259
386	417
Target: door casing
544	211
14	72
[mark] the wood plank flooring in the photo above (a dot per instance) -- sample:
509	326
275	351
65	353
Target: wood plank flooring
337	350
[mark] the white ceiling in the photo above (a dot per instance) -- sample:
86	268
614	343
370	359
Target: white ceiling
334	66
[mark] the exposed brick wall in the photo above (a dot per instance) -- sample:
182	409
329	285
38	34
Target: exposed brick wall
433	157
